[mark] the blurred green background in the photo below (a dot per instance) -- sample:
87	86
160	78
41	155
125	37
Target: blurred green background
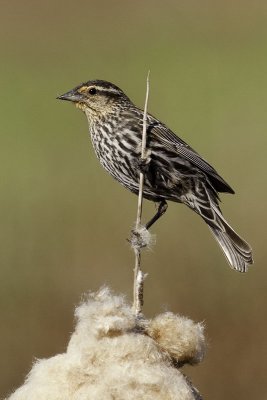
64	221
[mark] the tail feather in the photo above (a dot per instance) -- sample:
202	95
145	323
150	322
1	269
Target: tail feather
237	251
205	202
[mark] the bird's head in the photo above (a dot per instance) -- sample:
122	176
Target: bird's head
96	97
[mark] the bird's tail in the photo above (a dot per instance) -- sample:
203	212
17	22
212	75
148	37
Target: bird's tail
205	202
237	251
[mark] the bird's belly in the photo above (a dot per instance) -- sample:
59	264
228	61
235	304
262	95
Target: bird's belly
126	172
122	164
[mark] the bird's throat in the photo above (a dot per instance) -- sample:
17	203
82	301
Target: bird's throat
80	106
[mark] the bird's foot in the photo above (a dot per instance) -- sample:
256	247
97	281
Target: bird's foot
143	163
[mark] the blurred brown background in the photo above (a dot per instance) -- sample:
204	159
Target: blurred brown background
64	220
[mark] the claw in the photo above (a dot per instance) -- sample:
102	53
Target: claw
143	163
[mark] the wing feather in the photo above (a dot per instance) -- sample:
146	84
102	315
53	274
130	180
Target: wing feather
174	143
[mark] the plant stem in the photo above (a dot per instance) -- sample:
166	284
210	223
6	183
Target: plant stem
138	274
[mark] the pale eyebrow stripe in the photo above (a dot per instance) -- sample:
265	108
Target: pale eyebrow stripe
101	89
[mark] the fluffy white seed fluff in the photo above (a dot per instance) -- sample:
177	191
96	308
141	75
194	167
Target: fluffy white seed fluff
141	237
179	336
111	356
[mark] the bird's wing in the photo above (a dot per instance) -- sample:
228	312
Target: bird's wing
174	143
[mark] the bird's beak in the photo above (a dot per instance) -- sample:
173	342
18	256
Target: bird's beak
72	95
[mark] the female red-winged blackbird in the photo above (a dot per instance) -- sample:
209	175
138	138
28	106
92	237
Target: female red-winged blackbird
174	171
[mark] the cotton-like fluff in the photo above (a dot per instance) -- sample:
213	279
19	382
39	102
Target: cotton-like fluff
113	356
179	336
141	237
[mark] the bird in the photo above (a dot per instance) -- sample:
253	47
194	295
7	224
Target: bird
173	171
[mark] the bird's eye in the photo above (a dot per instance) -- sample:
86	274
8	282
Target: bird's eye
92	91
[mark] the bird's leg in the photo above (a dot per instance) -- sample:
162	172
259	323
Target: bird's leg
162	208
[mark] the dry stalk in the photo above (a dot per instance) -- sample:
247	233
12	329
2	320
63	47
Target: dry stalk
139	276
